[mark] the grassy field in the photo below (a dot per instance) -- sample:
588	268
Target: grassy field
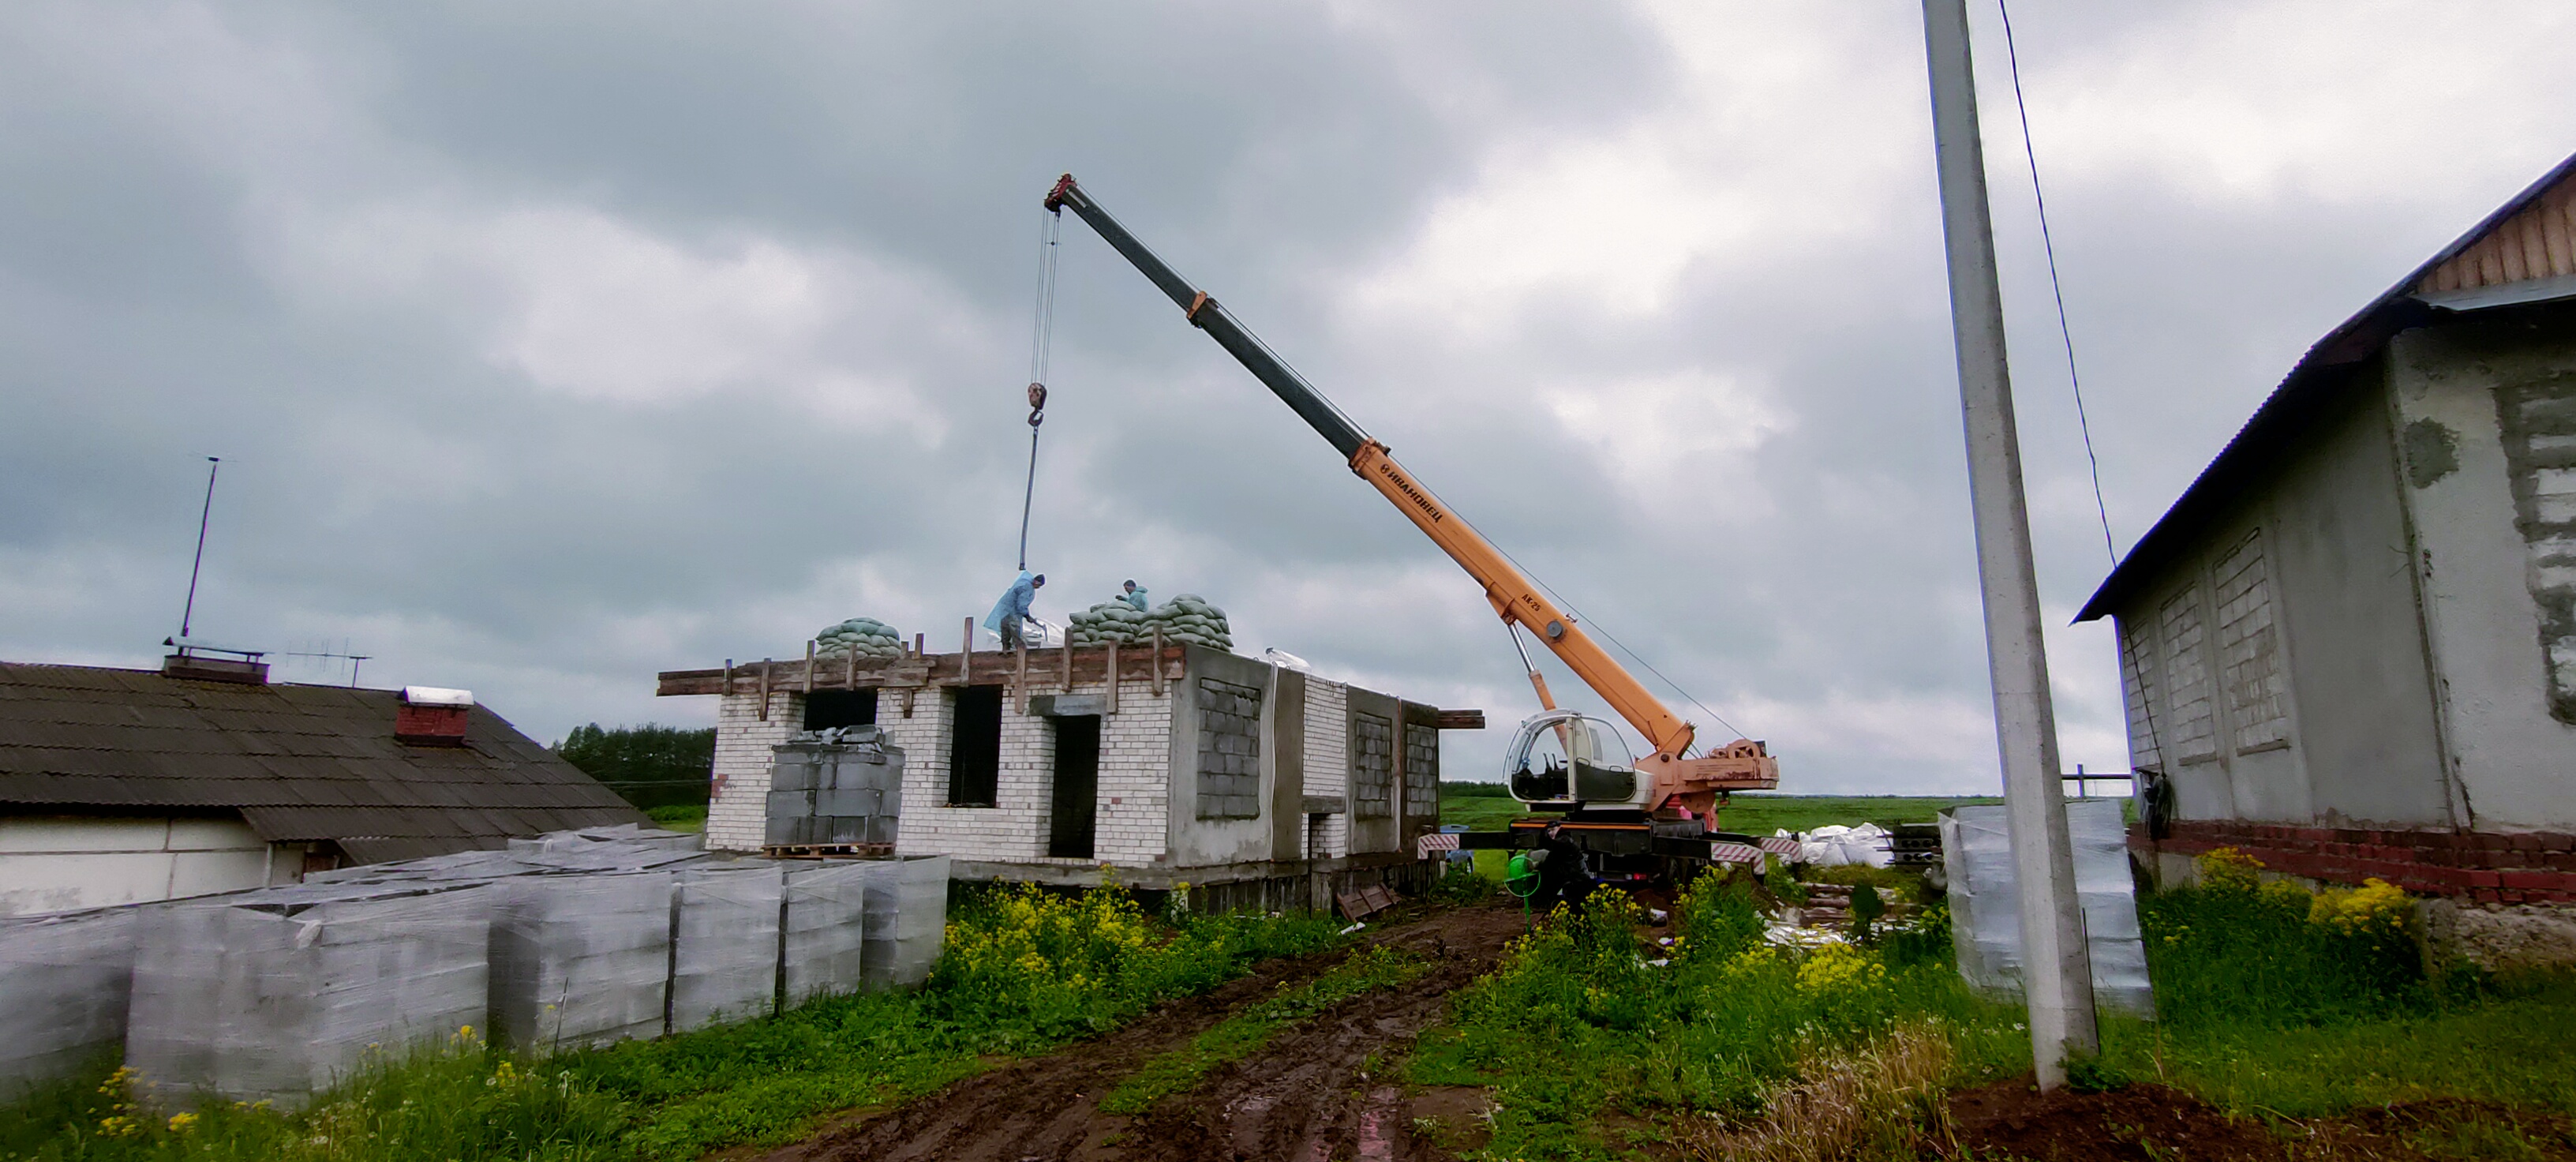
2275	1003
1023	971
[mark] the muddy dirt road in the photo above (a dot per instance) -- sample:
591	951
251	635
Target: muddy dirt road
1303	1098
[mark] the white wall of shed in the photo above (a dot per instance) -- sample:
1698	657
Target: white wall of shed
64	863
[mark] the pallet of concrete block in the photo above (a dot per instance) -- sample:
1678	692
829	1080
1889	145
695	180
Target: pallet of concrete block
834	792
277	993
905	922
1985	909
725	944
822	948
64	983
581	960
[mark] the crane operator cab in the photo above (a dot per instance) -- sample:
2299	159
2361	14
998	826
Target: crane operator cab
1564	759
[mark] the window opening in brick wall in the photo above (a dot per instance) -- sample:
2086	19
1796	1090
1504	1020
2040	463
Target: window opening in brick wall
1072	814
2249	652
2138	690
975	746
1372	767
833	709
1421	770
1229	750
2195	737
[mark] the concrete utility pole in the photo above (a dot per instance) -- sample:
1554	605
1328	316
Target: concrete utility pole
2057	970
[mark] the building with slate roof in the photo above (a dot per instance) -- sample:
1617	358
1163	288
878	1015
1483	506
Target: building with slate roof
122	786
2349	649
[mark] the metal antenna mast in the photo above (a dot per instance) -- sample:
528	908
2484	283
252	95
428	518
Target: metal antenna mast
214	464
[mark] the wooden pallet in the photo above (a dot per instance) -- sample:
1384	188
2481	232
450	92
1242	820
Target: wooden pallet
1365	902
827	850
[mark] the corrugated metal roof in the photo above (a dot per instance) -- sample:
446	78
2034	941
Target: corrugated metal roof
2321	375
300	763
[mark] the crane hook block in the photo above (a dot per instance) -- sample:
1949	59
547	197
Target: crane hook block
1037	404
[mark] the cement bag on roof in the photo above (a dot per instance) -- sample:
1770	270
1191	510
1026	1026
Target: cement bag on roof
1985	908
274	994
724	945
581	960
822	951
866	636
64	984
906	920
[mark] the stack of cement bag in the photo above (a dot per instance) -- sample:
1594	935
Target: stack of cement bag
867	636
1186	618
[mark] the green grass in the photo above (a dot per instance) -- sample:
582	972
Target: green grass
691	819
2274	1002
1023	971
1246	1032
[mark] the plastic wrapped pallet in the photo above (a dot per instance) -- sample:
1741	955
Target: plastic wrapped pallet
275	994
907	918
840	787
724	945
821	950
581	960
1985	907
64	983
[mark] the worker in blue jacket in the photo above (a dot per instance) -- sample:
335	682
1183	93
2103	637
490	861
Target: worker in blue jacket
1134	596
1012	611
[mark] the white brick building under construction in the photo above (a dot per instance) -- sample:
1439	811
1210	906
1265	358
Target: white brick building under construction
1255	784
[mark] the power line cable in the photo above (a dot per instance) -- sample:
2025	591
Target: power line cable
2012	56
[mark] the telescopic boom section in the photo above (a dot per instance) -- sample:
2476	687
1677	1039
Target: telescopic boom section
1514	596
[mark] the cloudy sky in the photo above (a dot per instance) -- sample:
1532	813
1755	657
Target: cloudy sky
549	346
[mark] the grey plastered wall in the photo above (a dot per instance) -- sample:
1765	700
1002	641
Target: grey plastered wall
2358	739
2360	677
1198	841
2486	410
1285	734
1384	832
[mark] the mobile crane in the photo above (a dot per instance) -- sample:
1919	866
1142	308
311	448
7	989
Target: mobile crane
1629	815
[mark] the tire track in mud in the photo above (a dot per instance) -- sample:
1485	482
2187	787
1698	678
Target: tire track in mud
1304	1097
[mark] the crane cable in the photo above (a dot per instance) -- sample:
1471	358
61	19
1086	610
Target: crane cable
1040	342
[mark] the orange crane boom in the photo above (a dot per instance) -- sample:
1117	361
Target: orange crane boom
1679	779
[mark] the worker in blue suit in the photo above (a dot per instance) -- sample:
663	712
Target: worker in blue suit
1012	611
1134	596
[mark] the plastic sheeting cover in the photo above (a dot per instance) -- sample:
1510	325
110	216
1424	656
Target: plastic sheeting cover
724	951
277	993
906	921
1985	910
821	949
581	960
66	986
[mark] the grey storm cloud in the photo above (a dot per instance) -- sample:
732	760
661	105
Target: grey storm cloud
551	346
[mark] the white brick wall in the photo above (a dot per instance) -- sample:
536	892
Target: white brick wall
736	816
1328	733
1130	819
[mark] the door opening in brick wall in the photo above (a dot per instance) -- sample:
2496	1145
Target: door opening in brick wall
975	747
833	709
1072	817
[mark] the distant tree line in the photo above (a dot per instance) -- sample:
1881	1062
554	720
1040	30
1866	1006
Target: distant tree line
650	765
1456	789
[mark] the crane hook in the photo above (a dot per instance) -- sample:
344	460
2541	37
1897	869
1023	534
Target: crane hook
1037	404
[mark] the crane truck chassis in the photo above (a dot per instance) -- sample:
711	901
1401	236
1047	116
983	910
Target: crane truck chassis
1633	819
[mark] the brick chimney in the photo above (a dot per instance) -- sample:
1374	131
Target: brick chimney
430	716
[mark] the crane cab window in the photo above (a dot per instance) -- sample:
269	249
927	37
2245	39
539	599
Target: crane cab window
1563	756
